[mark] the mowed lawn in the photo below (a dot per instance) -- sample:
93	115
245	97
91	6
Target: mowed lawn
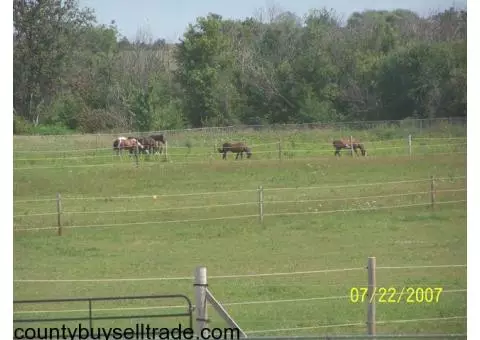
174	237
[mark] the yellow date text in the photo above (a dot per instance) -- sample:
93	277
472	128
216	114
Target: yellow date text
408	295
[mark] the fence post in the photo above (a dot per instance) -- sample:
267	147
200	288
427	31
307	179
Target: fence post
166	151
260	203
59	213
432	191
351	146
136	154
410	145
279	146
200	285
372	282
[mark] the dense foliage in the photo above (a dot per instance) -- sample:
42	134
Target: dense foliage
71	73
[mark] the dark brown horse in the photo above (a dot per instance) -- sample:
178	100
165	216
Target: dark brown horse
150	145
340	144
238	148
130	144
158	138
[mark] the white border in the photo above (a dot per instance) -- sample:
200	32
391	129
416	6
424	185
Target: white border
7	185
6	317
473	296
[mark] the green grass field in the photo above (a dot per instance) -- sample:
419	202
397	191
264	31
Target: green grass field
306	228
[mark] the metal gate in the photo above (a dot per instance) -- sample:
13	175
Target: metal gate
188	312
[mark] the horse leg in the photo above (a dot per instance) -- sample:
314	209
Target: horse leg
355	149
224	156
337	152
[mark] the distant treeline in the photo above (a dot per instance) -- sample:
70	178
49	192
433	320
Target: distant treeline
72	74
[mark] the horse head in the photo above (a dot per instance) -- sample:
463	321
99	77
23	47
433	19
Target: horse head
140	145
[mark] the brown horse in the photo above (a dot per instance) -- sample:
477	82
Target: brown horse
340	144
130	144
158	138
150	145
238	148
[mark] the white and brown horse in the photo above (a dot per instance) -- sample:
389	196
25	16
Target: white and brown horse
127	143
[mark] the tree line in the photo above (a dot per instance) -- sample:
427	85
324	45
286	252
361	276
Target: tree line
71	73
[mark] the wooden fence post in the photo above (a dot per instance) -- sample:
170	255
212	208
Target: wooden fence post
279	146
372	282
200	285
432	191
260	203
351	146
410	145
59	214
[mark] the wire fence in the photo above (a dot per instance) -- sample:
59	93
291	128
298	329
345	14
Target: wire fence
285	142
240	276
460	141
234	204
256	303
226	304
228	192
258	203
280	149
148	163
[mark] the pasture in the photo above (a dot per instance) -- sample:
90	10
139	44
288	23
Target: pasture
164	218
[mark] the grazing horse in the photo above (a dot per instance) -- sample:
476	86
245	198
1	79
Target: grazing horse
150	145
238	148
158	138
340	144
130	144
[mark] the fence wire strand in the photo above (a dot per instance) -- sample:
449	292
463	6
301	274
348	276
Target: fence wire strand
24	228
210	193
234	204
240	276
227	304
